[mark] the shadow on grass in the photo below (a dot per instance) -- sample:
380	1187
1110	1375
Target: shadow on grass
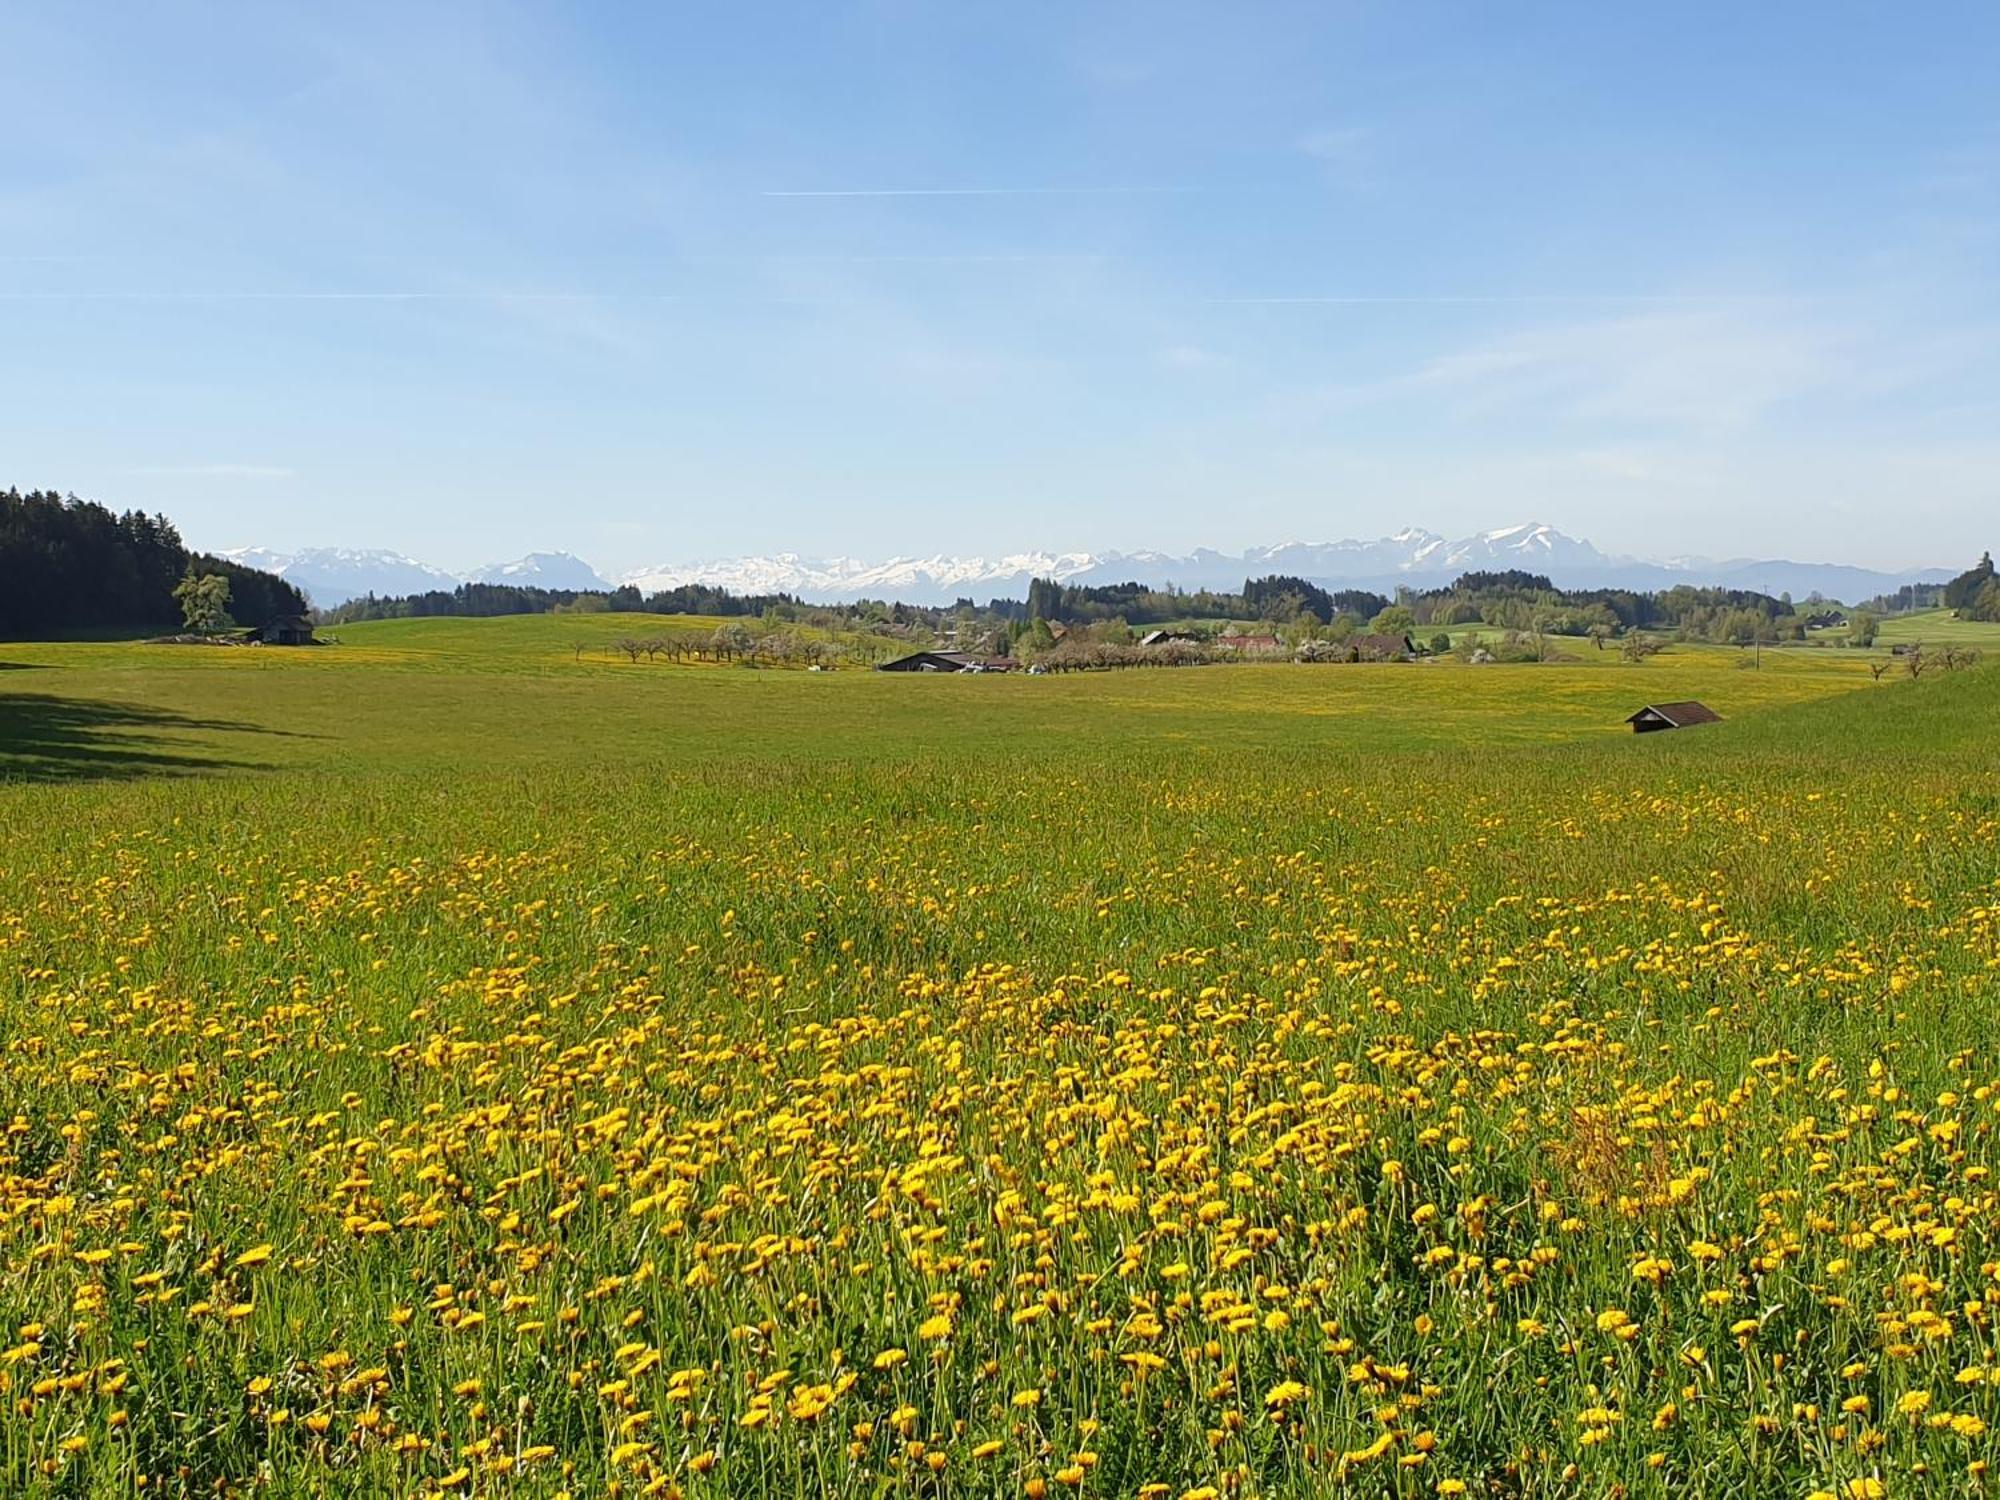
44	738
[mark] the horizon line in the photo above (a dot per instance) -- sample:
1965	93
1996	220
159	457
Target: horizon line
1094	558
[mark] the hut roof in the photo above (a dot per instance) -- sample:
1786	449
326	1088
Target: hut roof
1677	715
947	661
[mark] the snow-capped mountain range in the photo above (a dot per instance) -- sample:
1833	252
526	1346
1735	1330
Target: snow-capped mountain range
334	575
1413	556
913	580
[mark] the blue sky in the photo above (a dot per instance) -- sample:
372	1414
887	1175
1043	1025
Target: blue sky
660	282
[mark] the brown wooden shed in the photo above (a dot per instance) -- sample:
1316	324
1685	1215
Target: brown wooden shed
1656	716
288	630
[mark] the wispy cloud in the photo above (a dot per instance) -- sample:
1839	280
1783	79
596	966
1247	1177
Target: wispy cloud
1344	151
1119	73
210	471
1698	369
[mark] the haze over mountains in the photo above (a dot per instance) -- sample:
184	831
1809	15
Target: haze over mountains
1412	556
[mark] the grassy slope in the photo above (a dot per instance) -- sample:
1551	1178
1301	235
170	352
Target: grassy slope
1938	627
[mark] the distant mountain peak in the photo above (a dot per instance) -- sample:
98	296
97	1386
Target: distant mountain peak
333	575
1413	555
543	570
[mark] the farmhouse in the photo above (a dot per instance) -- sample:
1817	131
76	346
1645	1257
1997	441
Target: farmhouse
946	661
1169	638
1382	648
1249	645
1656	716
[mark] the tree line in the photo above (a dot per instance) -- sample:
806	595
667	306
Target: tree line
1525	604
485	600
1275	597
1510	599
70	567
735	641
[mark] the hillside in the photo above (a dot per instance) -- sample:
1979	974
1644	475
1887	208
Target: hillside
1939	627
74	568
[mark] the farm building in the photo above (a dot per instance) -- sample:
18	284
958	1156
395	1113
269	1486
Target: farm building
287	630
1169	638
1249	645
1655	716
947	661
1382	648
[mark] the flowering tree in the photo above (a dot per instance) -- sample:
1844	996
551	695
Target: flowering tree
204	601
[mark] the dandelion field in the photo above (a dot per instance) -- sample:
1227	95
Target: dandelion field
430	1076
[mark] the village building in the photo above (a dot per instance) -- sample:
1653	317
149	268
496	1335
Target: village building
1382	648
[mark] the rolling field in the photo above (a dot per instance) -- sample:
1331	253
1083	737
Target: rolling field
1939	627
466	696
438	1064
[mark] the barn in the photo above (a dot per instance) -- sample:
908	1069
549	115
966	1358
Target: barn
287	630
1656	716
946	661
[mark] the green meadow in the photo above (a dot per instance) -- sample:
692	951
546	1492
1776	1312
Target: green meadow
1939	627
451	1061
467	696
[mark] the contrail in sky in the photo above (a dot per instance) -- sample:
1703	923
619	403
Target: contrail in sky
1503	298
1442	300
970	192
226	296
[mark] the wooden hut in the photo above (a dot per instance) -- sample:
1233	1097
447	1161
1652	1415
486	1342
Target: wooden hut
287	630
1656	716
